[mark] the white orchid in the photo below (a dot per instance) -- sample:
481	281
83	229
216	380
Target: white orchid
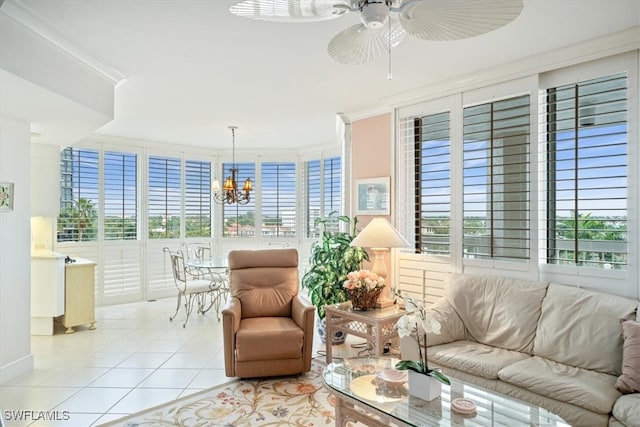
417	322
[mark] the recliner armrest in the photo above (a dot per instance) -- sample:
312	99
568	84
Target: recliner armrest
231	314
302	312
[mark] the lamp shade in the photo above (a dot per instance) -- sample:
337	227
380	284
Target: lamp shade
379	233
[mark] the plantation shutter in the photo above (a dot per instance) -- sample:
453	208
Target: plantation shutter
586	137
164	197
433	181
278	191
121	272
332	185
496	180
313	192
79	202
197	199
120	196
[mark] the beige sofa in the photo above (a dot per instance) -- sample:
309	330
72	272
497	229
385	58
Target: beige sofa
556	346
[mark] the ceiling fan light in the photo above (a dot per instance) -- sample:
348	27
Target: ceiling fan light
374	15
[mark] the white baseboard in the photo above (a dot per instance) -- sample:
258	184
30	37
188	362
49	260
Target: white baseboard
16	368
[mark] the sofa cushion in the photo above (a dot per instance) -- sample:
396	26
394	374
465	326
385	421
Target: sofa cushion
629	381
627	410
477	359
581	387
268	338
497	311
582	328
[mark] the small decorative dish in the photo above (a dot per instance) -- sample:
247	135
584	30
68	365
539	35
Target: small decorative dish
463	406
393	376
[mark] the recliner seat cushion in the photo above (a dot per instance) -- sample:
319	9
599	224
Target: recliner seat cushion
268	338
497	311
477	359
581	387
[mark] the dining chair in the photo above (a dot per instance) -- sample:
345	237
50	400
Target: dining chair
196	252
196	290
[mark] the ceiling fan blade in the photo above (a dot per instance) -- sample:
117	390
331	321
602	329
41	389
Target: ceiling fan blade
359	44
456	19
291	10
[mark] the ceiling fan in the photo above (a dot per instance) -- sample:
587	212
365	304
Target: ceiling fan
385	22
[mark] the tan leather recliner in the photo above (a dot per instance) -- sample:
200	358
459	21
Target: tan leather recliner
268	328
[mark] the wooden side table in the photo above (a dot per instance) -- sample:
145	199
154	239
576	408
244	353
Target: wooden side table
375	325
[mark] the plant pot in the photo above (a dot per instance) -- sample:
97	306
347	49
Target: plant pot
338	336
424	386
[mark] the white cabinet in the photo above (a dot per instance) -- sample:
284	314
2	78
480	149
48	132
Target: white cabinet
47	290
79	306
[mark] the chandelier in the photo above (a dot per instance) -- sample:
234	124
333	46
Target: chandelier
230	193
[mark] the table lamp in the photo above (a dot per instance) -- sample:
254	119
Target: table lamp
379	236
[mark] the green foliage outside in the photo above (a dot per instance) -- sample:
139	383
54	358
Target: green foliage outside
78	222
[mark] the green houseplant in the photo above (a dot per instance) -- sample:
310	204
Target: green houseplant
331	259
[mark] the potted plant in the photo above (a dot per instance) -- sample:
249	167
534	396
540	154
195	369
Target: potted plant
332	258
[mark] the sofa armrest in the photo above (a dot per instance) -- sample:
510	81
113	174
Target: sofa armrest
231	314
452	329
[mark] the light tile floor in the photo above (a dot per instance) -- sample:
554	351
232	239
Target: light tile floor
135	359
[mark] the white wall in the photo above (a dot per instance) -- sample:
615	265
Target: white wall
15	253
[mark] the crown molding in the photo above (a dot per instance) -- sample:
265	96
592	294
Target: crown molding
613	44
21	13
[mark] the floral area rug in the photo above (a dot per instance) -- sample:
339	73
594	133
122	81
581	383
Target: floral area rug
299	400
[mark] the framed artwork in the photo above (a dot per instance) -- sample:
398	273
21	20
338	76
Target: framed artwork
6	196
372	196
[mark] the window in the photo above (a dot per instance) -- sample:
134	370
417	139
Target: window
78	220
586	141
197	199
164	197
323	185
332	185
496	180
240	220
278	196
433	181
120	196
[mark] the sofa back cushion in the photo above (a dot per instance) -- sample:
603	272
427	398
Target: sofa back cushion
581	328
497	311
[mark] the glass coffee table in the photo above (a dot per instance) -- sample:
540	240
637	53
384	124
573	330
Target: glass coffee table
362	396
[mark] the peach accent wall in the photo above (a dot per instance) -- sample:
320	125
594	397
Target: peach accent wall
370	153
371	149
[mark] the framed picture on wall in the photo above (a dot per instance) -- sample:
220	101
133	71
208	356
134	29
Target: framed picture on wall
372	196
6	196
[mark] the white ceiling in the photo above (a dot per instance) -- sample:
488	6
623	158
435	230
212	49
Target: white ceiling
193	68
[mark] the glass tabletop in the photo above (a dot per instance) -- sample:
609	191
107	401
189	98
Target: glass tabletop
208	263
359	379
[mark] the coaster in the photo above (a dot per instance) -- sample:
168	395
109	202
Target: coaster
463	406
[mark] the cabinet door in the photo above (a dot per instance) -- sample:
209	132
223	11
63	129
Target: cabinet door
80	293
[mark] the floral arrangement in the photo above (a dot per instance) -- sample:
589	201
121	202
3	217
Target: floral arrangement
416	323
363	280
364	288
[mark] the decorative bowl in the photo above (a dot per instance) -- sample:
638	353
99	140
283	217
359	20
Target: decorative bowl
393	376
